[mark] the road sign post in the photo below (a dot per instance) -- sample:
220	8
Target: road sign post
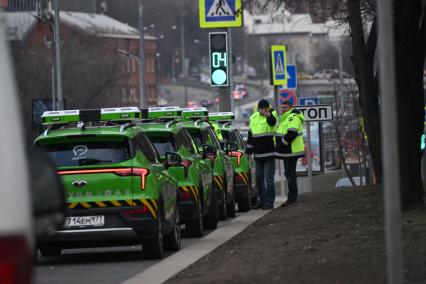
308	152
278	77
313	113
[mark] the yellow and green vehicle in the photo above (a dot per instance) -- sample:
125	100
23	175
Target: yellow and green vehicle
245	176
197	204
196	122
119	190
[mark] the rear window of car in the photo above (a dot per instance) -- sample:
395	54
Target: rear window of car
89	153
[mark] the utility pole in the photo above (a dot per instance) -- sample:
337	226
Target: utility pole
390	154
231	69
184	69
143	103
341	88
57	39
182	45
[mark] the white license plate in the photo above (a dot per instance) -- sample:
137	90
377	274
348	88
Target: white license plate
84	221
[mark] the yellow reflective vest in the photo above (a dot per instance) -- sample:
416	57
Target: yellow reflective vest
289	136
260	141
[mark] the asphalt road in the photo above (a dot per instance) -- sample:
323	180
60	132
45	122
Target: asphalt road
97	265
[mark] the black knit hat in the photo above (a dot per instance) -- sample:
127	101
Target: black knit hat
263	103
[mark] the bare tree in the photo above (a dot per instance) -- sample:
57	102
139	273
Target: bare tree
91	78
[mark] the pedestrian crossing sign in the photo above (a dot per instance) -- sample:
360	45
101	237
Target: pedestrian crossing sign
220	13
278	65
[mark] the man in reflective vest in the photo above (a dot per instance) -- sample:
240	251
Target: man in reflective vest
290	146
261	144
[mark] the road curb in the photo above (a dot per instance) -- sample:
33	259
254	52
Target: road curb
170	266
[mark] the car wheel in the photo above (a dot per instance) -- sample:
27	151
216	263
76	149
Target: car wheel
212	217
172	241
153	247
50	251
194	228
244	204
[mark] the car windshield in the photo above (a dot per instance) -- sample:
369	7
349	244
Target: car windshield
162	143
89	153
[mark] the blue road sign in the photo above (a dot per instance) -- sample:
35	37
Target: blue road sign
279	65
306	101
291	77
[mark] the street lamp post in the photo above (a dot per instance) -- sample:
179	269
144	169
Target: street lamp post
57	39
141	56
52	26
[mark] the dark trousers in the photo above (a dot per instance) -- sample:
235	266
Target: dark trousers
290	175
265	172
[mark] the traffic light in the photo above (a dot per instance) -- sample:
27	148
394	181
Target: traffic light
423	141
218	42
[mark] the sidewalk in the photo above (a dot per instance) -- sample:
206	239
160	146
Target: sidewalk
330	236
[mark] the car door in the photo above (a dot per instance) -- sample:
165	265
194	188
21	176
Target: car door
167	188
203	166
226	162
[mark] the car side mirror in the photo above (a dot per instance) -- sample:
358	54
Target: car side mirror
173	159
48	194
229	146
209	150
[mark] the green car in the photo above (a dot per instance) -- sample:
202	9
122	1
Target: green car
118	191
197	204
245	175
195	121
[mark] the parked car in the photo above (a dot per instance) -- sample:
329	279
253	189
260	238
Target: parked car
117	191
197	201
203	134
206	103
192	104
245	176
240	92
304	76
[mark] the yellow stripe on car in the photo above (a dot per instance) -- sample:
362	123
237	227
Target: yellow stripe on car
147	204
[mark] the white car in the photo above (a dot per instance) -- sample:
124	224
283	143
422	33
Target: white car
16	238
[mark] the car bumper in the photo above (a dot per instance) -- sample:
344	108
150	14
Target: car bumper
119	228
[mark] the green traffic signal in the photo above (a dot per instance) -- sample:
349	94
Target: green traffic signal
423	141
218	43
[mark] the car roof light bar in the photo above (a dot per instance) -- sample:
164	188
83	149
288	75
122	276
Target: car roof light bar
221	116
198	112
104	114
163	112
